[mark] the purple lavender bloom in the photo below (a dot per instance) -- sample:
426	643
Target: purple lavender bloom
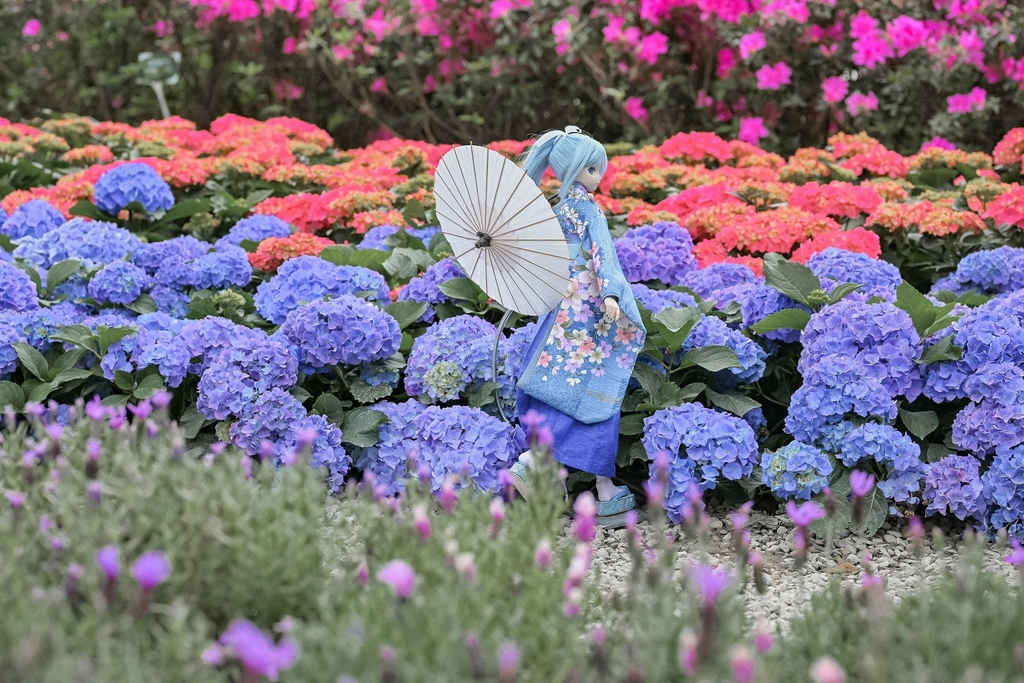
861	483
257	651
399	575
151	569
108	560
711	582
34	218
135	182
802	515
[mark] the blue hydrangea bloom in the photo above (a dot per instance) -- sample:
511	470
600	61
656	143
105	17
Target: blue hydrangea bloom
135	182
981	428
308	278
515	348
953	486
327	450
34	218
9	336
243	371
761	302
171	301
94	243
714	332
204	339
172	253
836	266
6	256
375	237
164	350
17	291
346	330
835	388
661	251
465	443
452	357
1004	490
880	337
119	282
39	324
797	470
377	373
708	282
703	445
424	288
255	228
896	451
222	269
119	353
995	271
3	216
398	438
657	300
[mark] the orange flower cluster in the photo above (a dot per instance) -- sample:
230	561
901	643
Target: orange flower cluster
836	199
274	251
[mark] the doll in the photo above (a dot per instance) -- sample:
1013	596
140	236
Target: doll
578	366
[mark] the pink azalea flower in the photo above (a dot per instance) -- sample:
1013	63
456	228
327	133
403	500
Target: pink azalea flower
752	129
726	62
241	10
871	51
399	575
858	103
652	46
751	43
863	25
940	142
635	108
31	28
906	34
773	77
966	103
834	89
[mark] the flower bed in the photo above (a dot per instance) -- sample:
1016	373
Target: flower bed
844	310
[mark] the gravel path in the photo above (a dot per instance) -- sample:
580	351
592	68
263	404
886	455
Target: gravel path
789	590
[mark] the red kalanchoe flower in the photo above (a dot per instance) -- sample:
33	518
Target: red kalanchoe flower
274	251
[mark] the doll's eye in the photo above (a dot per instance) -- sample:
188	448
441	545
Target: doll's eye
592	169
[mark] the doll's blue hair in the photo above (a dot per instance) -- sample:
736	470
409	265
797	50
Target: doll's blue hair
568	154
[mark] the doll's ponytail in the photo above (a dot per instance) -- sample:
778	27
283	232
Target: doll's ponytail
568	153
539	156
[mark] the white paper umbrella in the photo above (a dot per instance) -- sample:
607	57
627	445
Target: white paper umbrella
501	229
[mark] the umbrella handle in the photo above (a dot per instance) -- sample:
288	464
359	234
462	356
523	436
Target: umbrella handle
494	361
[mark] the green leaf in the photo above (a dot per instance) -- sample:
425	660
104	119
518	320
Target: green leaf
405	263
148	386
124	381
920	424
736	403
32	360
116	400
60	272
937	451
6	244
250	246
361	427
364	392
941	324
922	311
838	522
635	453
68	360
71	375
84	207
191	422
110	335
786	319
461	289
406	312
795	280
189	207
649	378
482	396
692	390
711	358
144	304
414	212
341	255
31	271
944	349
876	509
11	395
675	324
329	406
844	290
41	392
632	424
933	177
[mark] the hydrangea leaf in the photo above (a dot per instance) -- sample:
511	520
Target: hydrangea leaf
795	280
144	304
786	319
650	379
711	358
631	425
844	290
835	523
736	403
60	272
68	360
86	208
920	424
945	349
361	426
185	209
406	312
404	263
11	395
32	360
6	244
922	311
461	289
250	246
675	324
876	509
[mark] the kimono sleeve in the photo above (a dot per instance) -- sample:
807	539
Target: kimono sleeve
606	261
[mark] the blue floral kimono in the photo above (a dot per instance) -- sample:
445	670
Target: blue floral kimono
578	366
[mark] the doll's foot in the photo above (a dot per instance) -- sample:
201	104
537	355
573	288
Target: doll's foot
623	501
518	471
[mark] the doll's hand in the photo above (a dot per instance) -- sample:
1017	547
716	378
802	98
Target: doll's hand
611	308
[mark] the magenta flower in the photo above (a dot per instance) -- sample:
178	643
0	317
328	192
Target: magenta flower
826	670
16	500
635	108
544	555
1016	558
710	582
834	89
742	665
584	522
752	129
773	77
652	46
151	569
805	513
257	651
858	103
940	142
31	28
751	43
399	576
508	662
966	103
861	483
906	34
420	522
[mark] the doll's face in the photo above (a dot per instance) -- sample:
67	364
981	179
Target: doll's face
590	177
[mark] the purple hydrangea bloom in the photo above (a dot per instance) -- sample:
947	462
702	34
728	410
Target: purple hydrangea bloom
172	254
953	486
398	439
995	271
38	325
704	446
221	269
135	182
204	339
171	301
375	237
661	251
516	346
465	443
241	372
119	282
708	282
452	357
6	256
255	228
761	302
94	243
10	334
897	452
833	389
836	266
34	218
344	330
1004	489
17	291
981	428
714	332
797	470
307	278
327	449
657	300
424	288
880	337
164	350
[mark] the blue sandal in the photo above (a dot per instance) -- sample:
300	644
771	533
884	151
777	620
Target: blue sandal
518	472
623	501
